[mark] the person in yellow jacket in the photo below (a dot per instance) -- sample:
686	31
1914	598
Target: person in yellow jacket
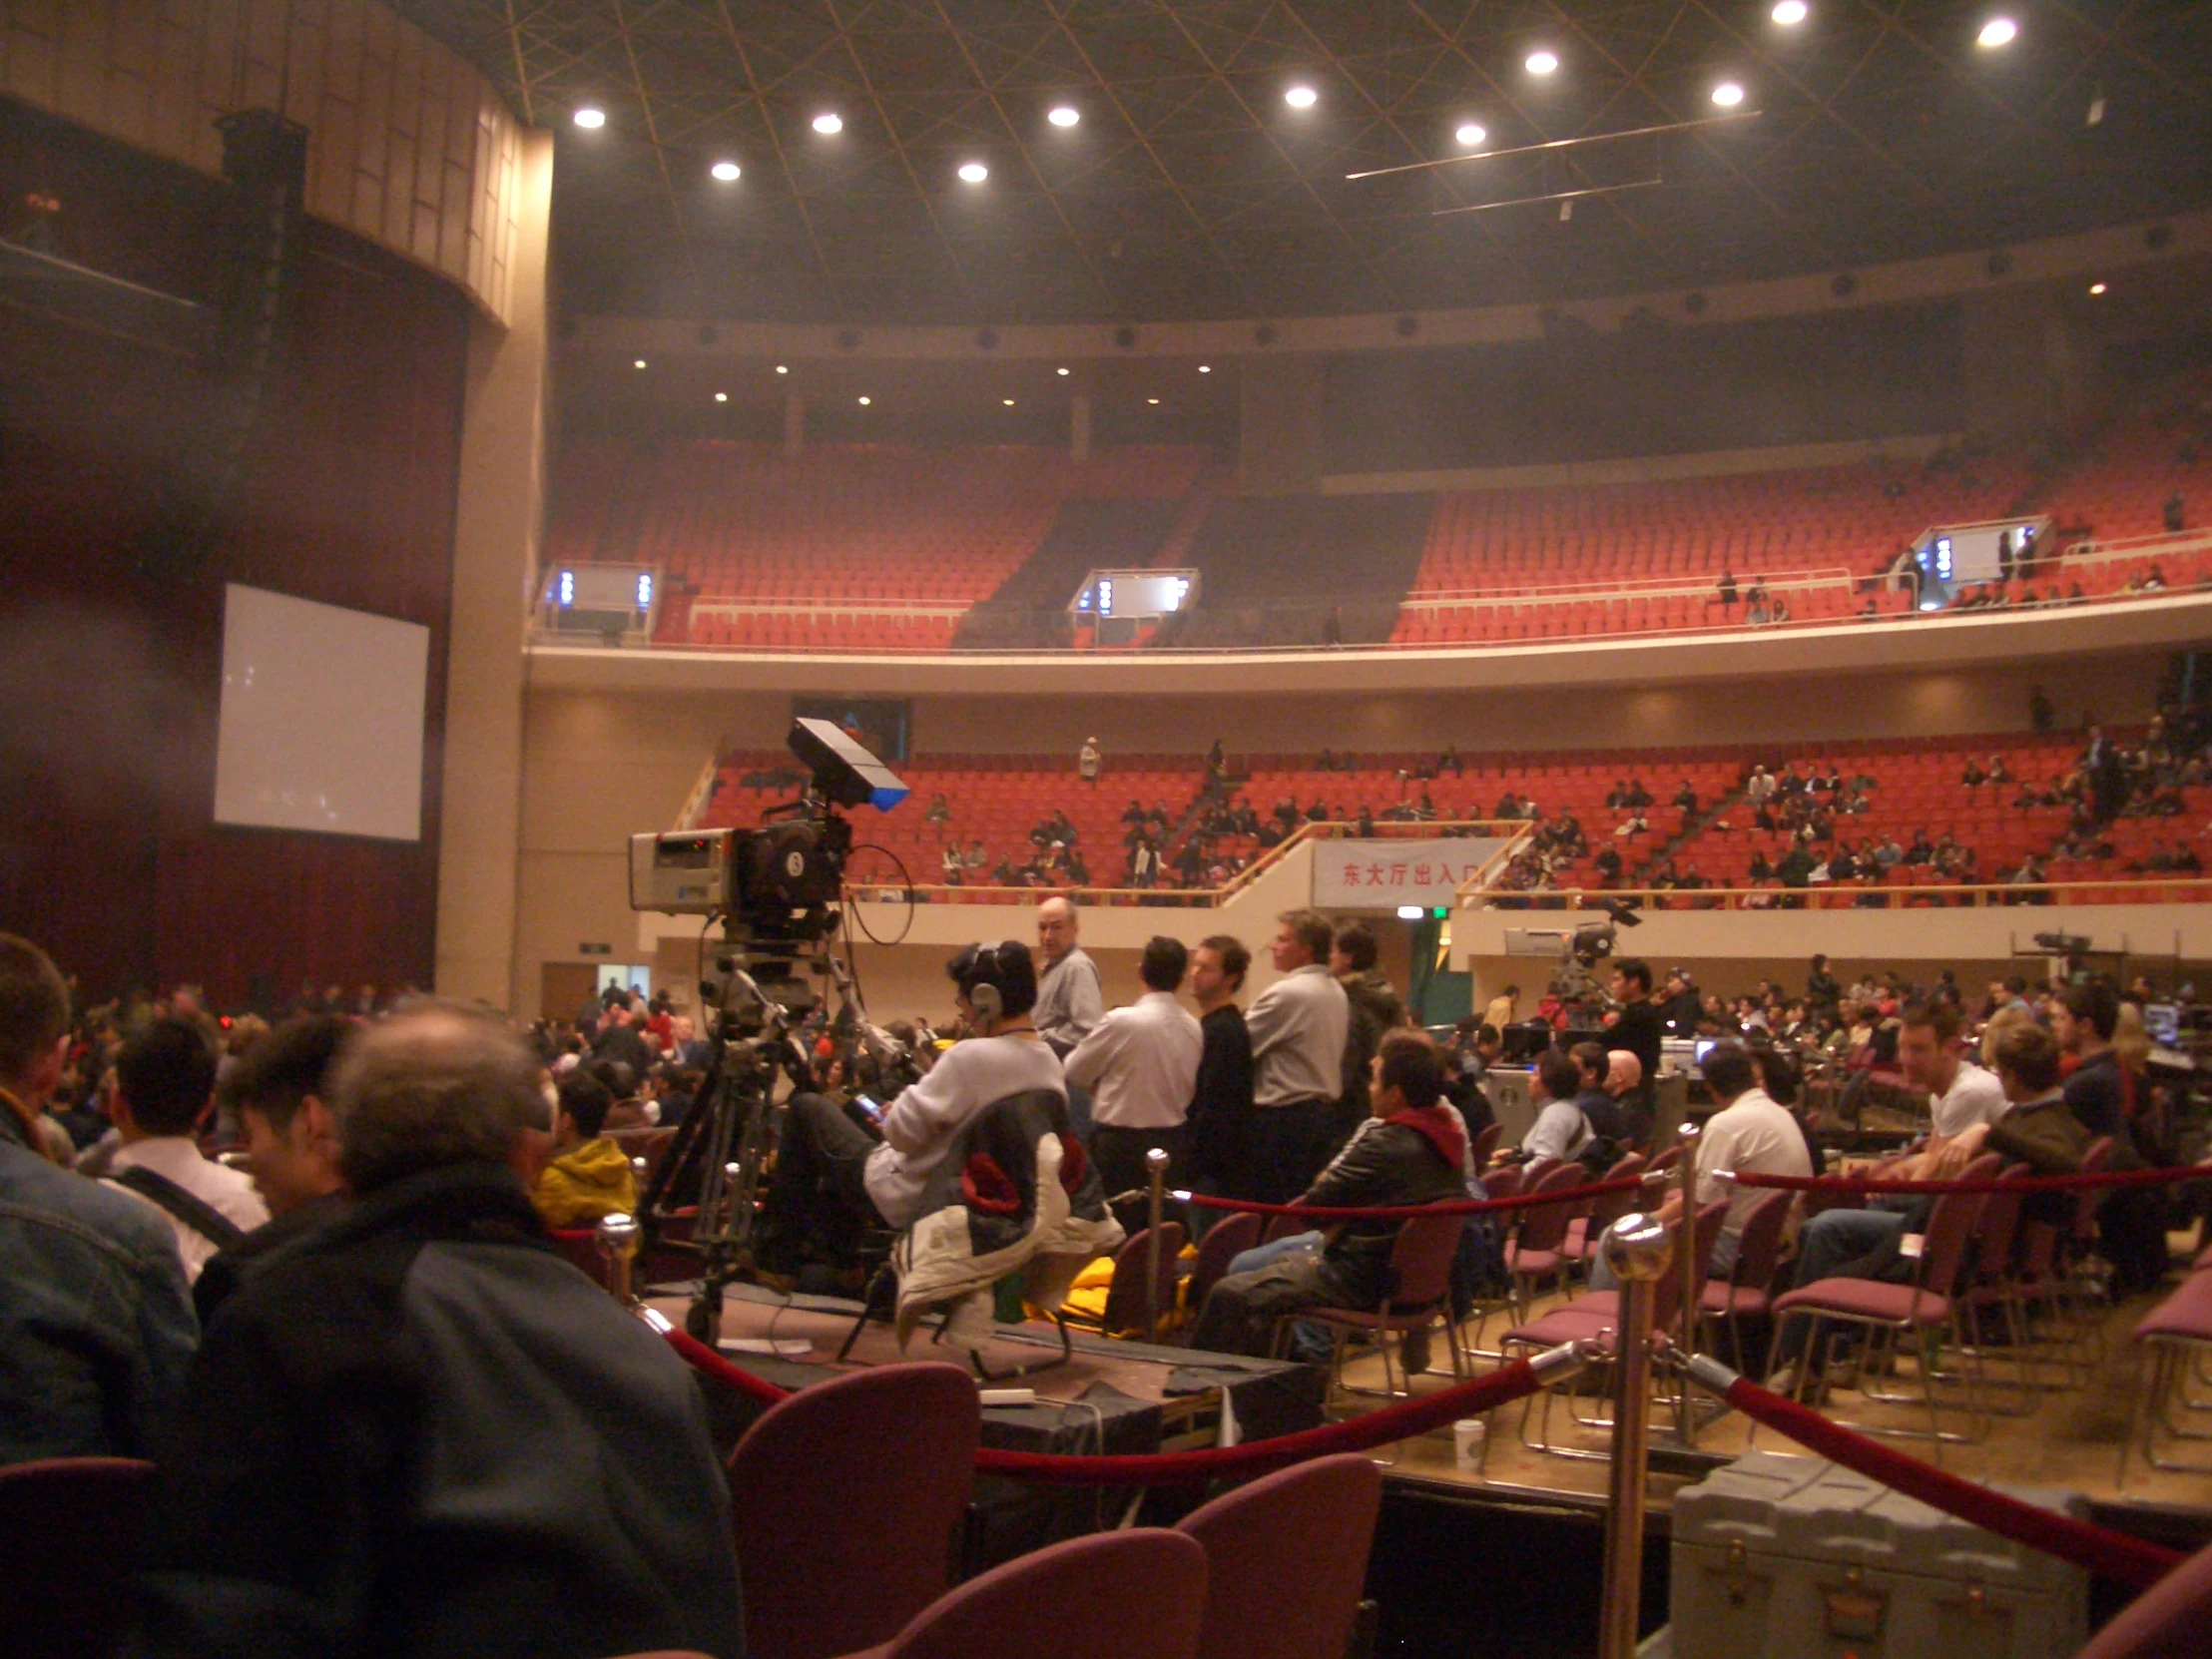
588	1177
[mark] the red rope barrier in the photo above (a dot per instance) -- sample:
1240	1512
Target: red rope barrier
1407	1212
2108	1554
1392	1422
2026	1184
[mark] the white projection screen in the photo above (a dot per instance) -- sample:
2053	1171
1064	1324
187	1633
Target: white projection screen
322	724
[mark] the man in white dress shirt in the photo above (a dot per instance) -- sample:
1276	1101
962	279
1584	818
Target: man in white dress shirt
1297	1025
164	1078
1141	1065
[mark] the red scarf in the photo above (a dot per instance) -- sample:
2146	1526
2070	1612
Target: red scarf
1440	1128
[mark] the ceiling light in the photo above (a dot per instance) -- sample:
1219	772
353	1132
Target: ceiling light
780	369
1152	400
1206	369
640	364
1728	95
1059	372
591	120
974	172
722	397
828	122
1064	116
1542	63
865	401
2096	288
1008	402
1470	134
1998	31
726	172
1302	98
1790	13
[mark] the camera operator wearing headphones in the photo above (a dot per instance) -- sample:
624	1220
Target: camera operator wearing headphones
839	1174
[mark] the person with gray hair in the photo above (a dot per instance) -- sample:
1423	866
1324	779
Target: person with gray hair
421	1430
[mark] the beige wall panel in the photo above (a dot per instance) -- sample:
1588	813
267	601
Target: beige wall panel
33	29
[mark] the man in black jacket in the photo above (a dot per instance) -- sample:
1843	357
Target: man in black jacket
1411	1151
1221	1101
422	1433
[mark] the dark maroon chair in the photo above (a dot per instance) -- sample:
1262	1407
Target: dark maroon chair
1505	1182
1419	1296
68	1527
1139	1595
1584	1231
1538	1247
1125	1297
849	1496
1485	1142
2176	1339
1225	1240
2167	1621
1286	1557
1748	1292
1284	1227
580	1245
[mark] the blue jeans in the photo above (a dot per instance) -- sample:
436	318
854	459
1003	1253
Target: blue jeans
1840	1243
1308	1341
1719	1266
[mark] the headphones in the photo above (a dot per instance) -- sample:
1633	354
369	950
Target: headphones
983	992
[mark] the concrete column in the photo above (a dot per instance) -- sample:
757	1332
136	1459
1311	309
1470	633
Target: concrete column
1079	426
496	535
795	424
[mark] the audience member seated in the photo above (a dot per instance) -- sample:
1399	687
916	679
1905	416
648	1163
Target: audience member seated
1410	1150
96	1322
165	1080
279	1093
589	1177
560	1494
1561	1129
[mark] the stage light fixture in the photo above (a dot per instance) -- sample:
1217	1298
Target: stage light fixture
1790	13
2096	288
974	173
1542	63
590	118
640	364
1998	31
1301	97
1064	116
722	397
726	172
1470	134
1728	95
828	123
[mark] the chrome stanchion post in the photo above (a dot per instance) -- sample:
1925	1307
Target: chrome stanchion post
1687	1265
1639	1251
618	1243
1156	1172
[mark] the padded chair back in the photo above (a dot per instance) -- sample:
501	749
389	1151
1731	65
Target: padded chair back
1666	1302
1605	1211
2096	1157
581	1246
1759	1246
1284	1227
1950	1224
1421	1260
1485	1142
1125	1297
1544	1226
1286	1557
68	1527
2167	1621
1108	1596
1669	1158
862	1480
1505	1183
1533	1173
1999	1228
1225	1240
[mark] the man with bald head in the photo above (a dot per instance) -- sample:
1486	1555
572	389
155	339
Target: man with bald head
1069	1002
424	1431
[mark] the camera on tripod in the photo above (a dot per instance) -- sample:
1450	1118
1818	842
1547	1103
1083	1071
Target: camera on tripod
777	885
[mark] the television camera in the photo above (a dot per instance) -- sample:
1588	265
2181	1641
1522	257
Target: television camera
775	891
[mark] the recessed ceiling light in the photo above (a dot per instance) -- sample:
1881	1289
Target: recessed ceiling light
1542	63
780	369
828	122
1152	400
1064	116
640	364
1470	134
974	172
1728	95
1008	402
1998	31
1206	369
1790	13
1302	98
591	119
726	172
1061	370
722	397
865	401
2096	288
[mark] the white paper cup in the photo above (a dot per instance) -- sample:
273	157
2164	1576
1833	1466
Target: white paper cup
1468	1437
